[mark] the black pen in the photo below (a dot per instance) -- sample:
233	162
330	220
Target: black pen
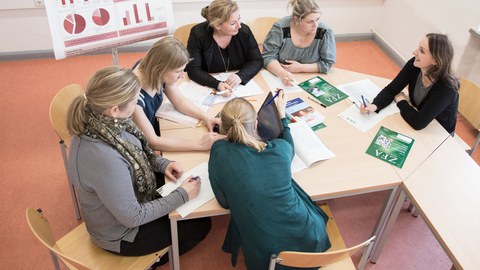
318	102
194	178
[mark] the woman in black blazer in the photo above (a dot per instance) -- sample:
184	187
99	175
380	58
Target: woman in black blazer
221	44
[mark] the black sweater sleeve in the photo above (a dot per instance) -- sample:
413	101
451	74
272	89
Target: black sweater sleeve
386	96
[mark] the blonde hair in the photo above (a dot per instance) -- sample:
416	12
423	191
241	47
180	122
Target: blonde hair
238	123
302	8
108	87
219	11
165	55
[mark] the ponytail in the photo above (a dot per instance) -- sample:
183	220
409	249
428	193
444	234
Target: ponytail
238	123
108	87
76	116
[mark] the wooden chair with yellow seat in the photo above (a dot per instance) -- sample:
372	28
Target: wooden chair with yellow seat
469	107
337	257
58	118
77	251
183	32
260	28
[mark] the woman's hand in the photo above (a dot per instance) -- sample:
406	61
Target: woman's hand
192	186
225	88
208	139
370	108
287	79
211	122
400	96
281	102
173	171
233	80
292	66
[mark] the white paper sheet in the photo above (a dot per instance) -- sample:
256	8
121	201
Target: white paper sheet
167	111
355	90
369	90
205	194
250	89
308	146
274	82
366	122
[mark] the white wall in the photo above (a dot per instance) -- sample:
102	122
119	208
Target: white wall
402	23
24	30
399	23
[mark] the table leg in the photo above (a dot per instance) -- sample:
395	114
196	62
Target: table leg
382	220
175	251
382	237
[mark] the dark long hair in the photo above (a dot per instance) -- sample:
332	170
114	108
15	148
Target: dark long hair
442	52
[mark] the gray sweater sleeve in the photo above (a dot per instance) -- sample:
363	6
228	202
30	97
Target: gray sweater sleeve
107	177
327	51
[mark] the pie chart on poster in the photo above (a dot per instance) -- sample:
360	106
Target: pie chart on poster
101	17
74	24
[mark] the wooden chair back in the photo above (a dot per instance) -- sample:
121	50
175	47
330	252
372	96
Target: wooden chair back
469	103
77	251
260	27
337	257
469	107
183	32
59	108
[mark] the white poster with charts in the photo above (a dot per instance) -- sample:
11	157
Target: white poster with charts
82	26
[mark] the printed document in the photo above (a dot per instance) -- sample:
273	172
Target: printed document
205	194
369	90
308	147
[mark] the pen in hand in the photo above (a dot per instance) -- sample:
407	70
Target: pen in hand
272	99
194	178
365	104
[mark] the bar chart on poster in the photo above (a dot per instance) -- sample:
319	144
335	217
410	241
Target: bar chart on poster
83	26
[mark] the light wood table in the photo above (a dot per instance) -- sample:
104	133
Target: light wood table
426	140
350	172
445	189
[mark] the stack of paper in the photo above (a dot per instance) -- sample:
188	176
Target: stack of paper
298	109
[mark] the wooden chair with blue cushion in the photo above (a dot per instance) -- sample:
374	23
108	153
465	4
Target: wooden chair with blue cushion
77	251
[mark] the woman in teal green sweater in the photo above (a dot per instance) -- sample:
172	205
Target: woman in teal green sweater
270	212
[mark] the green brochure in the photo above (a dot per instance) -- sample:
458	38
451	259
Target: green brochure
390	146
324	92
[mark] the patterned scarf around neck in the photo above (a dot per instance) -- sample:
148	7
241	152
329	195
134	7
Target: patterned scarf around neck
142	161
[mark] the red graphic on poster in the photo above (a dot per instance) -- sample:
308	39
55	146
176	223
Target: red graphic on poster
101	17
74	24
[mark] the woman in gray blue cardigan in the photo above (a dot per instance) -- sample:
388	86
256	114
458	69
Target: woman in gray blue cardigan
270	212
115	172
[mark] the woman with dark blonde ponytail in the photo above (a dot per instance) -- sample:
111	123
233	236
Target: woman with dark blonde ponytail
116	173
253	179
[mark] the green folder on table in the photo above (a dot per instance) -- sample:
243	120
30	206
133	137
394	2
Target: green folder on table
323	91
390	146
